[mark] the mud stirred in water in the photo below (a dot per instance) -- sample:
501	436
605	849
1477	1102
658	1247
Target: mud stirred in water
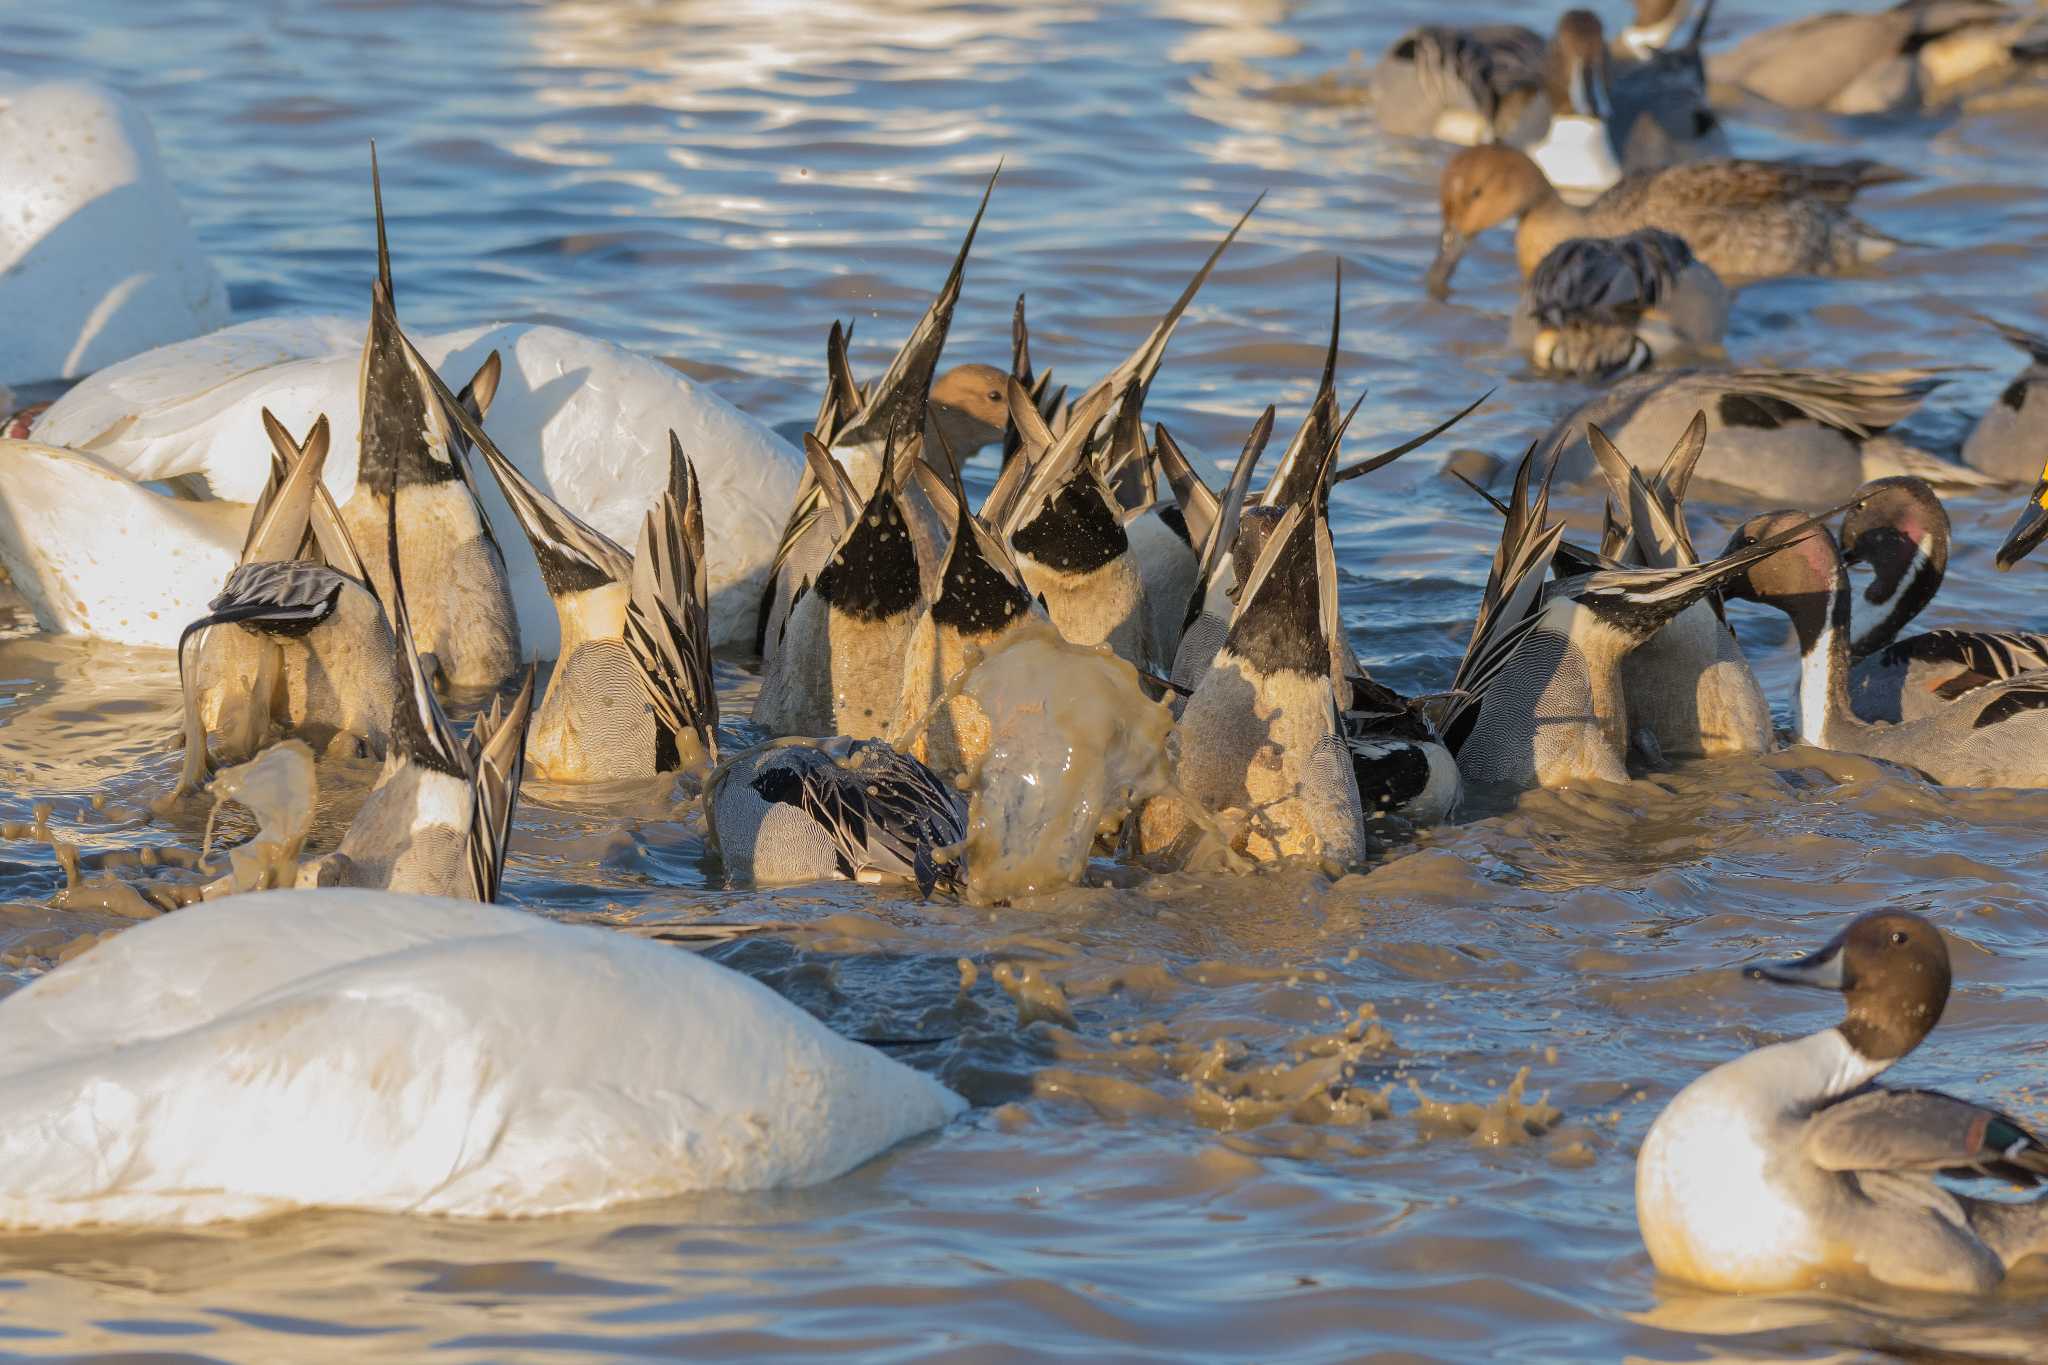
1264	1117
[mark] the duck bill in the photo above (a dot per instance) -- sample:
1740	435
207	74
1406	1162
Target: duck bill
1450	249
1821	971
2029	530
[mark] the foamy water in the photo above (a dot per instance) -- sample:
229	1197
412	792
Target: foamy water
1263	1118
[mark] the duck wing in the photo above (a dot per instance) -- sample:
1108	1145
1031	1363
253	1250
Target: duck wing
1923	1130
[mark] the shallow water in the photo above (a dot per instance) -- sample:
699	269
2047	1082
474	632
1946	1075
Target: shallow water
1256	1119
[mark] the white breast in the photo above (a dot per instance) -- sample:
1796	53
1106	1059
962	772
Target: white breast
1577	156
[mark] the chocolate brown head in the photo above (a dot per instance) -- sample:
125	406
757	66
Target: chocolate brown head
1481	187
1893	968
1798	580
1899	528
970	406
1575	67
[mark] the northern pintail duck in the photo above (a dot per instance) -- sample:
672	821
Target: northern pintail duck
1995	735
1747	220
1900	529
1916	54
1790	1166
1689	689
1800	436
631	694
1464	85
2009	438
407	1055
1607	118
84	286
805	810
438	820
297	635
856	427
1598	307
1661	113
412	459
1538	699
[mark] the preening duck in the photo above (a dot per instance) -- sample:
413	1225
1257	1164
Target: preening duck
1797	436
1747	220
1791	1166
1463	85
1900	529
1599	307
1995	735
369	1050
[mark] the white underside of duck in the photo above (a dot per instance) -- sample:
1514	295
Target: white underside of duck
1577	156
586	419
362	1050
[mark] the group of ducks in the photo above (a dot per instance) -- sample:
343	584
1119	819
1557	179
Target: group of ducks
1203	619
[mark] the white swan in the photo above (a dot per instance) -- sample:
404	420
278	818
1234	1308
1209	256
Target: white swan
366	1050
96	259
587	420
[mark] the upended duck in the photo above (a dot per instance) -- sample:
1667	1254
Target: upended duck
1791	1166
1995	735
1747	220
367	1050
1900	529
1788	435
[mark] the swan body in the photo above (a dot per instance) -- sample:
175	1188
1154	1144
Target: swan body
368	1050
587	420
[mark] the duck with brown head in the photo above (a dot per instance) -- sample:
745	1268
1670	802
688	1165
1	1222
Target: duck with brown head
1995	735
1789	1168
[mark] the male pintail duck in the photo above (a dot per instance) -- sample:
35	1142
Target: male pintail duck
1790	1166
2008	439
1995	735
1661	113
837	664
407	1055
1655	24
1918	54
1538	699
1689	688
469	632
297	635
439	817
1799	436
1469	86
804	810
631	694
1599	307
1748	220
1900	529
856	427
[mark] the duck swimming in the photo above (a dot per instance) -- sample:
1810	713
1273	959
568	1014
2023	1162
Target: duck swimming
1995	735
1747	220
1790	1166
2008	439
1469	86
370	1050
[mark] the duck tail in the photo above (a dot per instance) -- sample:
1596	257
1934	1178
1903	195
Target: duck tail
668	624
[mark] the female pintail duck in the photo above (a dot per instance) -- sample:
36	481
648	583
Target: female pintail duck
1599	307
1995	735
631	694
804	810
1900	529
410	458
1464	85
837	663
439	817
1538	699
2008	439
1689	689
1790	1166
1801	436
368	1050
855	427
1917	55
1748	220
297	636
84	286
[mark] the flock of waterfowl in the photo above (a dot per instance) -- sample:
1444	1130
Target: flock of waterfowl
980	696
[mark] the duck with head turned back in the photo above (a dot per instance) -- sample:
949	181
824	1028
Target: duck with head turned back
1464	85
1747	220
1990	736
1790	1166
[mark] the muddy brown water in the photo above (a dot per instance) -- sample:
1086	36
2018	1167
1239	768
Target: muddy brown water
1270	1118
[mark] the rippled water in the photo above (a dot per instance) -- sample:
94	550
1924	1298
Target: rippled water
1267	1119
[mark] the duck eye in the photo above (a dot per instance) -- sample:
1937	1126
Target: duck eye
1899	937
994	397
